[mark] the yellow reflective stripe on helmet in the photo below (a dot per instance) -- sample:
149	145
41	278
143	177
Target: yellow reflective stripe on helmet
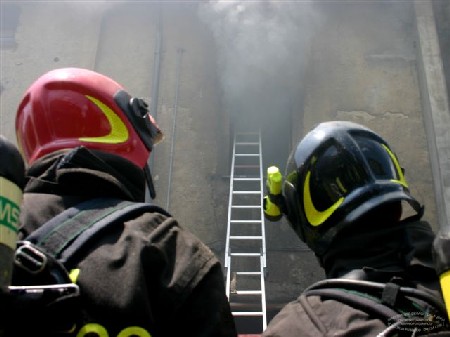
314	216
401	180
341	186
118	133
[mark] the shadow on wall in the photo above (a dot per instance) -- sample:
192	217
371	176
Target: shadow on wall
442	17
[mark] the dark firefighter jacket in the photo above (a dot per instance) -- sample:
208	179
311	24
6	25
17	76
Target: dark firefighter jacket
151	277
403	254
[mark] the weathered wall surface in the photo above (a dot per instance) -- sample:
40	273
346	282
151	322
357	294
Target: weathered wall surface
435	103
442	18
48	36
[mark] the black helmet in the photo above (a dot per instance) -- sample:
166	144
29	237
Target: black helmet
339	172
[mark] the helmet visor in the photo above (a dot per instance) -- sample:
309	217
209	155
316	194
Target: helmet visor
334	173
381	160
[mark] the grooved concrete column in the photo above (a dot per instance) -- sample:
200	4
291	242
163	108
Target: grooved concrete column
435	106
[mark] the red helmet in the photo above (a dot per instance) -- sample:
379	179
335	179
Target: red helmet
71	107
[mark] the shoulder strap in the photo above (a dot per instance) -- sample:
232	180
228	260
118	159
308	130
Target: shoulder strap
63	236
363	303
386	301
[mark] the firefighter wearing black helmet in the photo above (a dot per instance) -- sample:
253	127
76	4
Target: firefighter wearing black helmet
344	194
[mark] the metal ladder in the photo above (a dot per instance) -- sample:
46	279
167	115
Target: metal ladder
245	249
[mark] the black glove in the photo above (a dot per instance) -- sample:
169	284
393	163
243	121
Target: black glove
46	310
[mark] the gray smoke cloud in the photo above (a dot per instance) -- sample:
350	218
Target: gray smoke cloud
262	47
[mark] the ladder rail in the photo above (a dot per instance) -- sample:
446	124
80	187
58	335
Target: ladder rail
230	202
263	234
263	294
261	188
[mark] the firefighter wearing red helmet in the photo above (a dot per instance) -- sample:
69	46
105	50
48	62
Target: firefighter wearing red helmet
83	137
344	194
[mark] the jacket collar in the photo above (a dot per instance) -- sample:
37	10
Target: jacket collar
86	173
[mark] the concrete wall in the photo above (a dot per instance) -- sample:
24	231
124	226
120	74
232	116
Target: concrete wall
48	36
435	102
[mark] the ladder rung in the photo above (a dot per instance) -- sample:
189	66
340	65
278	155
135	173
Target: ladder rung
247	143
248	292
248	273
246	154
245	221
246	179
245	254
247	313
246	166
246	237
246	206
246	192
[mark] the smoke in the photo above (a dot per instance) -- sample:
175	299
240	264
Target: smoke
76	4
263	49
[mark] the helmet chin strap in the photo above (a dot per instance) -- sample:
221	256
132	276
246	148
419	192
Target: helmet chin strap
149	181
